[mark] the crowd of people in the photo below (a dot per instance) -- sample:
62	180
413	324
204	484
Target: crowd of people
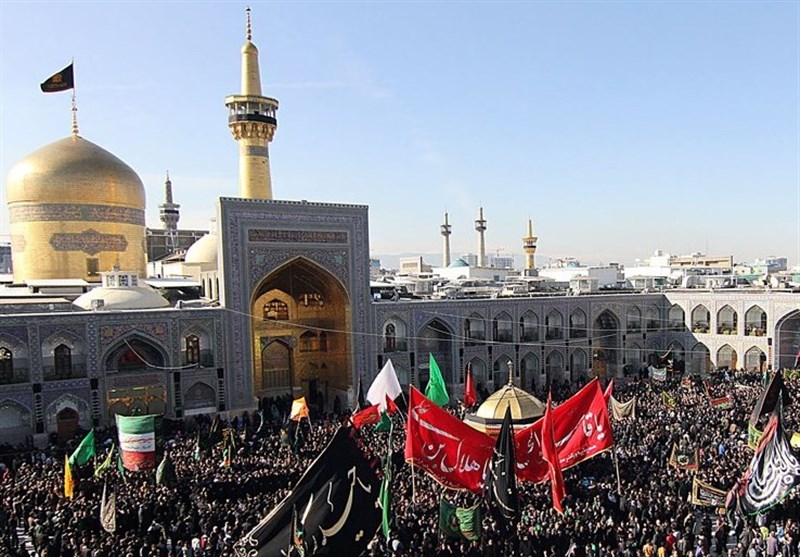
640	507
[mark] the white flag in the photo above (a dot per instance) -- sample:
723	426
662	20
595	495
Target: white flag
108	511
385	384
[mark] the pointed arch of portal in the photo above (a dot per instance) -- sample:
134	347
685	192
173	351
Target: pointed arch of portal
294	302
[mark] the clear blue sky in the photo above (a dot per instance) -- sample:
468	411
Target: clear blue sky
620	127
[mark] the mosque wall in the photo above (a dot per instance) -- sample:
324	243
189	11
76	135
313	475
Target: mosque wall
262	237
624	329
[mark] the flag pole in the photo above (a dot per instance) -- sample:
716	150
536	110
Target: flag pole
74	103
616	466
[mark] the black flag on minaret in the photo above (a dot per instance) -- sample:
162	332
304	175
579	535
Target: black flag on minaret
62	81
500	488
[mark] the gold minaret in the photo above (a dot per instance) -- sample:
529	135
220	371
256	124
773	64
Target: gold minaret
446	231
480	226
529	246
251	118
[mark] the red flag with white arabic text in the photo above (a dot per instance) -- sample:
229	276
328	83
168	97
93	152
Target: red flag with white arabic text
581	429
449	450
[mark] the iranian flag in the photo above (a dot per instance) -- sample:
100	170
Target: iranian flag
137	441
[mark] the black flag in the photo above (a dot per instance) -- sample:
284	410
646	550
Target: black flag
772	474
500	489
769	398
61	81
339	493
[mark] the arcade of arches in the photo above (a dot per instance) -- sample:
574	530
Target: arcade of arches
300	315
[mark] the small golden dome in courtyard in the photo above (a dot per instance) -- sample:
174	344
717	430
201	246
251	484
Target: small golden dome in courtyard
75	170
525	409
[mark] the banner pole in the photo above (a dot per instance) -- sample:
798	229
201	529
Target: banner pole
616	467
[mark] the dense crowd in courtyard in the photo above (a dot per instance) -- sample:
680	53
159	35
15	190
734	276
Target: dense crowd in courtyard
212	505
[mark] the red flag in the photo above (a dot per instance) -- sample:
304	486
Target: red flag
470	395
581	428
369	415
391	407
609	390
550	455
449	450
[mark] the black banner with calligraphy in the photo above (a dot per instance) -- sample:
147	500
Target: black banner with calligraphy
61	81
336	502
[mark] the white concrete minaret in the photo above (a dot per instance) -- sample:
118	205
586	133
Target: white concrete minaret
480	226
446	231
252	121
529	246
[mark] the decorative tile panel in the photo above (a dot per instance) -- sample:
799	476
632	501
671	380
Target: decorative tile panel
89	241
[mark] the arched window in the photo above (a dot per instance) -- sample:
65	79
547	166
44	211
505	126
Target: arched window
308	342
727	321
500	371
63	361
6	365
502	328
474	329
651	318
529	327
755	322
276	362
677	318
554	365
634	318
755	359
389	338
323	341
701	319
577	364
577	324
192	343
700	359
276	310
726	357
554	324
529	368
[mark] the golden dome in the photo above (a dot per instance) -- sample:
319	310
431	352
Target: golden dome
525	409
74	170
75	210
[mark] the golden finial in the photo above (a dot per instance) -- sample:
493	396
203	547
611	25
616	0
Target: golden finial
510	374
74	115
249	29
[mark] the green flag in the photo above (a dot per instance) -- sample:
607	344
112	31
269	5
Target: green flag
384	496
469	522
436	391
106	464
385	424
84	452
448	520
165	473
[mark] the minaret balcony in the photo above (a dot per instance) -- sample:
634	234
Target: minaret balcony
263	118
